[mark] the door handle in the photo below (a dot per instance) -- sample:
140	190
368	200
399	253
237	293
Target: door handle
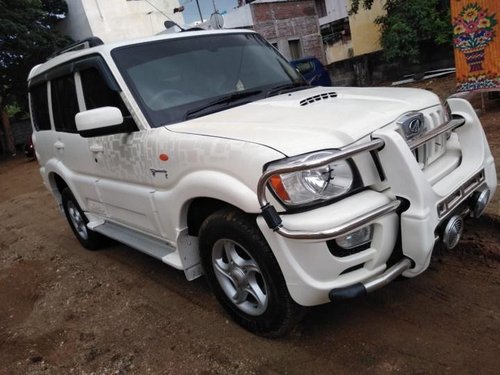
96	148
59	145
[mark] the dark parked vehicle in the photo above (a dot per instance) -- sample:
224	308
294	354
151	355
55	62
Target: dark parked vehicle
29	149
313	71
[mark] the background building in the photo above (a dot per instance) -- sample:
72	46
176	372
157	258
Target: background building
291	26
346	36
114	20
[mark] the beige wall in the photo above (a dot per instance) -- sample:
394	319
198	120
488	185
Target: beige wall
76	24
338	51
364	32
115	20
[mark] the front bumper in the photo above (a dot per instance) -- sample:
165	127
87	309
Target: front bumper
371	285
299	241
408	181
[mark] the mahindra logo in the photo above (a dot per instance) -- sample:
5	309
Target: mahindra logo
413	124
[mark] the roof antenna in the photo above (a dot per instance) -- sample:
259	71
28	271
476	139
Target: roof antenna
170	22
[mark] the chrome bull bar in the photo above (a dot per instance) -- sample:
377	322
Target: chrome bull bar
273	219
371	284
446	127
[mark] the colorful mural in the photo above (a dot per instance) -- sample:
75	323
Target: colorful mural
477	43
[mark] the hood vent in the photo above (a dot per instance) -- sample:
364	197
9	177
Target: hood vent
317	98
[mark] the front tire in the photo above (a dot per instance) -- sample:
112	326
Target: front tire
244	274
78	222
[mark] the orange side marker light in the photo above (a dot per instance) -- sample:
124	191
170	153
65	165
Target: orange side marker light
279	188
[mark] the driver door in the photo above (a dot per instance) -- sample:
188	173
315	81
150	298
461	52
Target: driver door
123	179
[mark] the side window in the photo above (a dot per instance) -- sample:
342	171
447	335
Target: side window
40	107
64	103
305	67
97	93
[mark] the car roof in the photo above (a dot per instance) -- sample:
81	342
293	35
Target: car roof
303	59
107	47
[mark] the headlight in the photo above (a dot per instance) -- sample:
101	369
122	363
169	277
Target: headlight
313	185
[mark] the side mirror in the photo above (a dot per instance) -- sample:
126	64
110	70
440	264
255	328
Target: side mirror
102	121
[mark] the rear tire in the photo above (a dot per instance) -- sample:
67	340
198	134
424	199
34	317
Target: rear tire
78	222
245	276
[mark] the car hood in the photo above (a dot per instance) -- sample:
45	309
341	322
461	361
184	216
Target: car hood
312	119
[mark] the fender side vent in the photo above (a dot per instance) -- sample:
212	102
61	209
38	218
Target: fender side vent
317	98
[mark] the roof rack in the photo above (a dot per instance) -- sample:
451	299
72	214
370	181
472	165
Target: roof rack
81	44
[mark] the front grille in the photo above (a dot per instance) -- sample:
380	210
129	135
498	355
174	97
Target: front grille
436	147
431	151
458	196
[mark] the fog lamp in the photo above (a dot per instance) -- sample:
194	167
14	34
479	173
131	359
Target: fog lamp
356	238
480	199
453	231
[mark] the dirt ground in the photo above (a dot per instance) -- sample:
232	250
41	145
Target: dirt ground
64	310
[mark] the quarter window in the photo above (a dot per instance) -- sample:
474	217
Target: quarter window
64	103
40	107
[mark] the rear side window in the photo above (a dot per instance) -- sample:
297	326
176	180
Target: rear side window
40	107
97	94
64	103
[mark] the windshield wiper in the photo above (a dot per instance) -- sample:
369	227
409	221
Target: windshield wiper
287	87
227	99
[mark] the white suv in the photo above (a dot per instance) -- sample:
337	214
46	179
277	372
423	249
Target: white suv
208	151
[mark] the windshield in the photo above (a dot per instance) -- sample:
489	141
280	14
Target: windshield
174	78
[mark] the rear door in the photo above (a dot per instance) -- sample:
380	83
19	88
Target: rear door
71	150
43	134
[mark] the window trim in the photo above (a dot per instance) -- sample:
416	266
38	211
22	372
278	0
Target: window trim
72	66
79	92
49	98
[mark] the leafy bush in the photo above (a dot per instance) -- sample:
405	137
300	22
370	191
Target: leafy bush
408	23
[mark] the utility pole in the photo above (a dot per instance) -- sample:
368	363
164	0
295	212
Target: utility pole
199	10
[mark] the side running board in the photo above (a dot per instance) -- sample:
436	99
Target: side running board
147	244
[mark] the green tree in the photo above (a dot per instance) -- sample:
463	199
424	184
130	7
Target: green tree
408	23
27	38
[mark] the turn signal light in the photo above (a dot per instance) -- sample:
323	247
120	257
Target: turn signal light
279	188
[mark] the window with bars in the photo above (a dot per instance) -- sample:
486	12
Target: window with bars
321	8
295	49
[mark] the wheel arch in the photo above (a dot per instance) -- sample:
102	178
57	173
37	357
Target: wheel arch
199	209
57	177
192	204
57	185
199	194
